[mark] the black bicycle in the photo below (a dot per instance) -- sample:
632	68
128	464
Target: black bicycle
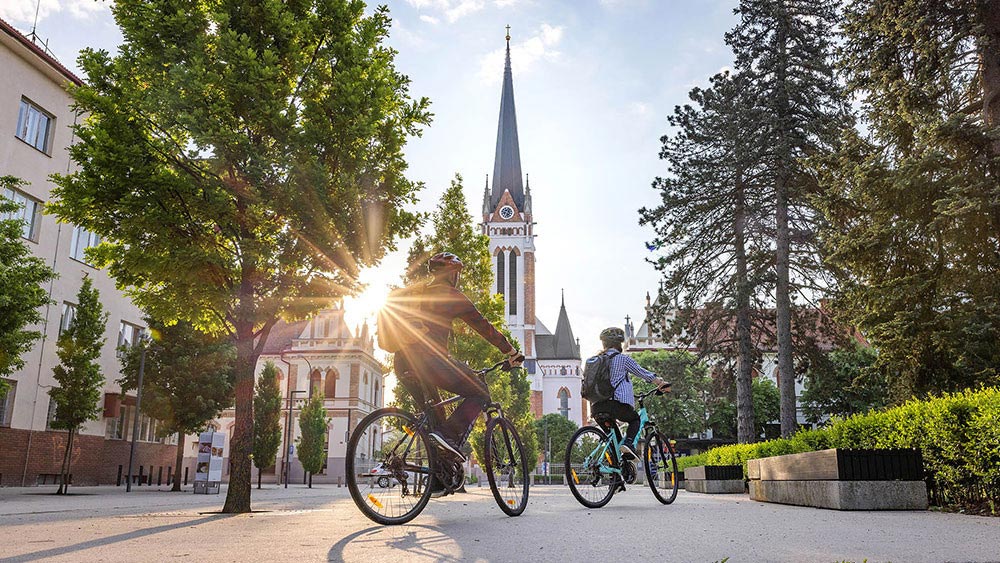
392	446
595	470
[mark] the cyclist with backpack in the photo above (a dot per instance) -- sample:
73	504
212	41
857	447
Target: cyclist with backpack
606	384
416	325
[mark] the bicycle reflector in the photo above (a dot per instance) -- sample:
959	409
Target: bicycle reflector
374	501
408	430
575	478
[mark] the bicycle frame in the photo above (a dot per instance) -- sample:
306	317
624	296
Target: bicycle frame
607	465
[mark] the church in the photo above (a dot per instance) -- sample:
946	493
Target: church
552	358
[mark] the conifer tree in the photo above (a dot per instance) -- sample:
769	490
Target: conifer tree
914	201
313	425
783	49
21	291
710	227
243	160
187	380
78	375
267	419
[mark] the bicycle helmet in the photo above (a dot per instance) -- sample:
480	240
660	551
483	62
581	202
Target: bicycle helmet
612	336
443	263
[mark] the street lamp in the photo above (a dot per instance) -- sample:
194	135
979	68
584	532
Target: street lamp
287	458
143	341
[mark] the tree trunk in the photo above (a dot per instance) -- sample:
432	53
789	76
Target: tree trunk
745	427
783	305
240	479
67	460
310	479
179	461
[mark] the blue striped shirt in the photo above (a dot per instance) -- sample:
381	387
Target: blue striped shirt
621	366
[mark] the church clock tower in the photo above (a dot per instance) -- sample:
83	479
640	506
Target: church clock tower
508	223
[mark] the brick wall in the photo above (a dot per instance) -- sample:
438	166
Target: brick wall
536	404
95	460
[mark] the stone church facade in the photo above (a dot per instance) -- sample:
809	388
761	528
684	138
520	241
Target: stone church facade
553	358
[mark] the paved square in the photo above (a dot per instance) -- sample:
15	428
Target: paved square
322	524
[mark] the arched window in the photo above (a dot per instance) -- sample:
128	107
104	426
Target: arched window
513	283
500	271
330	387
315	382
564	402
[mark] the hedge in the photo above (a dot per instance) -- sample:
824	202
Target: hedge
958	434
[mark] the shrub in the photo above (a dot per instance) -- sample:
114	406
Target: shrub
957	433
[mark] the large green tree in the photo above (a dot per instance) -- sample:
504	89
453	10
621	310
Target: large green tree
454	231
914	200
266	419
784	50
313	425
187	380
684	410
242	160
78	376
21	291
553	432
710	227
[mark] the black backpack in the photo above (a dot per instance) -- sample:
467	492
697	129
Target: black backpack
597	378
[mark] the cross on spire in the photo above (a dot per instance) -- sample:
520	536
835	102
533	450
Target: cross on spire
508	35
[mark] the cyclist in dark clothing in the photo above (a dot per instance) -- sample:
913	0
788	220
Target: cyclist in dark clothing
427	361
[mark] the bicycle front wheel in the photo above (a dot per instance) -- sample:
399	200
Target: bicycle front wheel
661	468
506	467
585	455
390	440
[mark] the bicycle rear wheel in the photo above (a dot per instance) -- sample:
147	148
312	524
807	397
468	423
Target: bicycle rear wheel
661	468
584	457
390	440
506	467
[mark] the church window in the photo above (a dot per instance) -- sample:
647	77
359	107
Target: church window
500	272
513	283
564	402
315	383
330	388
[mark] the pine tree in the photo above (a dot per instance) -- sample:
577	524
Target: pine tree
187	380
21	292
313	425
914	201
711	227
267	419
454	231
784	50
242	160
78	375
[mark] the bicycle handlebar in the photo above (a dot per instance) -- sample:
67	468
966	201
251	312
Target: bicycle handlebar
653	391
494	367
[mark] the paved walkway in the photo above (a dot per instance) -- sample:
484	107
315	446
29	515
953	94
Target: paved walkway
321	524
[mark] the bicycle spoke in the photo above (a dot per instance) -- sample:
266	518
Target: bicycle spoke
506	468
587	455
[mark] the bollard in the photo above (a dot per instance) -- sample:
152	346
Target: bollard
170	475
159	477
140	475
338	481
118	483
186	476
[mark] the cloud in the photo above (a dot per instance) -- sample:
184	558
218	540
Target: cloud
639	108
429	19
23	11
524	55
505	3
452	10
404	34
463	8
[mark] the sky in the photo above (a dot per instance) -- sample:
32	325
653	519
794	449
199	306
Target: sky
594	81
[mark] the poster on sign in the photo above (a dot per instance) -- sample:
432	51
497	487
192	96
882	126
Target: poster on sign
208	465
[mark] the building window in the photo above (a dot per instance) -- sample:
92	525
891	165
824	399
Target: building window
513	283
116	426
51	416
128	336
564	402
7	402
315	383
29	212
68	314
500	271
82	240
34	126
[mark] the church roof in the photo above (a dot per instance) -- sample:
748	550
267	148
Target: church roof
561	345
507	164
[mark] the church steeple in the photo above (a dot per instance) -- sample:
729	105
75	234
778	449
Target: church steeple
507	165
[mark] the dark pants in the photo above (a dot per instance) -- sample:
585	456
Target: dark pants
619	411
422	373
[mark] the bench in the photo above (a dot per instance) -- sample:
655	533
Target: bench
714	479
842	479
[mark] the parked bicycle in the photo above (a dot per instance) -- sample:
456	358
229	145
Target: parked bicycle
397	442
595	470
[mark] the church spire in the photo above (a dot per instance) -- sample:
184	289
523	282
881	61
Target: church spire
507	164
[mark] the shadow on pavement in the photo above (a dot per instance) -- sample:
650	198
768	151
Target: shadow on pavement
100	542
405	538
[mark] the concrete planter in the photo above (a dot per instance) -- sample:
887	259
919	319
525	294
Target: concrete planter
714	479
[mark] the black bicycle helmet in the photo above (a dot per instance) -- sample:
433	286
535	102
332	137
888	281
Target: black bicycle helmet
444	262
612	336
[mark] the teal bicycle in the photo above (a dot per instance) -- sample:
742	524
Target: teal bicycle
595	470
